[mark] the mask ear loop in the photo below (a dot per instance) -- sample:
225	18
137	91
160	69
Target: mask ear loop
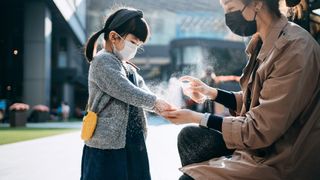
113	46
244	7
255	15
119	36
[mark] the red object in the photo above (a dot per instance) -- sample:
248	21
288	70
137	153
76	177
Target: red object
19	107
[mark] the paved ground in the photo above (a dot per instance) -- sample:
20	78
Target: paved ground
59	157
76	125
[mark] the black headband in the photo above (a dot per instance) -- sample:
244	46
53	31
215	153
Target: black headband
124	15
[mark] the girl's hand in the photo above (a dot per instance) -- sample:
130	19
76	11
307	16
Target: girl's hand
182	116
197	90
162	105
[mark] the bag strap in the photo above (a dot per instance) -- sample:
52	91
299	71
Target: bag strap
108	103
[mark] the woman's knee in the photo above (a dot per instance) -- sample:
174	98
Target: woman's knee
195	133
186	133
195	136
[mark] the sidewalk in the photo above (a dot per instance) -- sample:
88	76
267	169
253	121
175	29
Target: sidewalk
71	125
59	157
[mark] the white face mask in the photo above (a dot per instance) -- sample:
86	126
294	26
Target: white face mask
128	52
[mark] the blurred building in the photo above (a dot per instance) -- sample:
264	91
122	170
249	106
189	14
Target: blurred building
41	56
185	20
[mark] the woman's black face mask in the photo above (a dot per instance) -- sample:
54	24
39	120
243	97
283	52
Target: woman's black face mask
239	25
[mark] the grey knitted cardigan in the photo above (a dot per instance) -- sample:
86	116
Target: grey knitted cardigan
107	78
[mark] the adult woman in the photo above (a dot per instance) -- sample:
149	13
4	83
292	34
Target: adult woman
275	128
119	95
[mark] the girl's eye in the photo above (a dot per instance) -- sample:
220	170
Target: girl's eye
135	43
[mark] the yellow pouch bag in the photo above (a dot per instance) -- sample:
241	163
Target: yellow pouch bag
89	122
88	125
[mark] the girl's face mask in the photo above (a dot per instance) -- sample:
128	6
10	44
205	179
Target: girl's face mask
128	52
239	25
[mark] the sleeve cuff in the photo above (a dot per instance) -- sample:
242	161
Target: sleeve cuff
231	132
211	121
204	120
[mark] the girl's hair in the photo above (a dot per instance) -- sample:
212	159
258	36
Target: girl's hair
124	21
273	6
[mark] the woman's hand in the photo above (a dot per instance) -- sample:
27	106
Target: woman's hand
182	116
198	91
162	105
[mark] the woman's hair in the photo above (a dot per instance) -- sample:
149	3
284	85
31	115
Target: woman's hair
124	21
273	6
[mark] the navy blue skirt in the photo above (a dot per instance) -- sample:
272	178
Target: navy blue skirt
129	163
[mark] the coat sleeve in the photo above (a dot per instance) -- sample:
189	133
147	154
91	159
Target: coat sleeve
108	75
142	84
279	105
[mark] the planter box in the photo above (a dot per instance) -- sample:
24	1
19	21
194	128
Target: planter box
39	116
18	118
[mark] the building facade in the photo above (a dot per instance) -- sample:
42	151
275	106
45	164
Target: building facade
41	52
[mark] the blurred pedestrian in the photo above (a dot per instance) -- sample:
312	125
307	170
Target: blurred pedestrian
208	79
65	108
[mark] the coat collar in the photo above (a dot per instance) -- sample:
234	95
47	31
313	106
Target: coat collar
270	40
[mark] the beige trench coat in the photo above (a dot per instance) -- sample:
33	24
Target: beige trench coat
279	137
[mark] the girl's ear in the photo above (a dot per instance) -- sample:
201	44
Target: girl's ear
112	36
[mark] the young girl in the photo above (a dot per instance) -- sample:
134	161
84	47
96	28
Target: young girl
117	148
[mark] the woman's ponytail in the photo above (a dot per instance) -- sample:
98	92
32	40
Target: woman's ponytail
90	47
